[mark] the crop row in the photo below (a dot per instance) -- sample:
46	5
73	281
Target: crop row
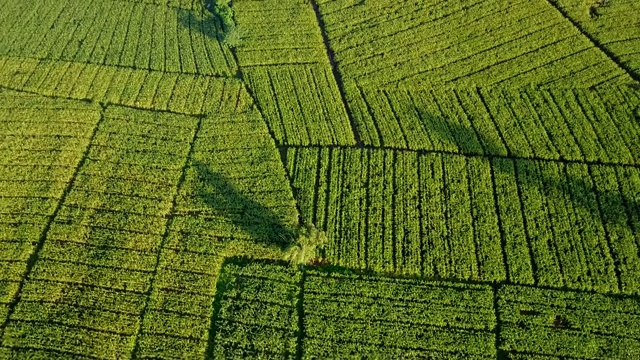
490	219
336	315
276	32
555	124
125	34
41	144
301	103
154	90
477	43
613	25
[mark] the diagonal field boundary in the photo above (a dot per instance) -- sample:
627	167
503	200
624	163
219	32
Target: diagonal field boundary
596	43
336	72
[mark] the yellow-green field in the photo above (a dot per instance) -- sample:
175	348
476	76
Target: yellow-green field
472	167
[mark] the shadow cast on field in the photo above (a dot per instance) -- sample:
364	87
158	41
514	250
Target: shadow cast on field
610	207
205	22
262	224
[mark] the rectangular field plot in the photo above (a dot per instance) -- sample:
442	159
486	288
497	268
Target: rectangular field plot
301	104
386	318
462	43
153	90
128	34
529	222
42	141
86	292
278	32
275	310
551	324
556	124
257	315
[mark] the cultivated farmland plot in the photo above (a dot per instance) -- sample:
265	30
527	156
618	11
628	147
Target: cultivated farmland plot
318	314
455	179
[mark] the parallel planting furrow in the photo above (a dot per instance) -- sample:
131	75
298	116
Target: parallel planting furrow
466	43
301	104
574	125
152	90
290	74
278	32
546	223
339	314
132	34
369	317
257	315
91	278
42	142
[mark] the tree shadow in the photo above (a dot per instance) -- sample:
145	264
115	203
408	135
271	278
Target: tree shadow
216	22
205	22
222	197
611	207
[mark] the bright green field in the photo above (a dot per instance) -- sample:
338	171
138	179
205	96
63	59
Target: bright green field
474	165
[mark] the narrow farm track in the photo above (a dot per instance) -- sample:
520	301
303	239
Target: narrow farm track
631	72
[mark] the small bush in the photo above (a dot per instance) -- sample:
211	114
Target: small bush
310	240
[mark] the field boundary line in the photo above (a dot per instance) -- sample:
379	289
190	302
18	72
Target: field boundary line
453	153
300	311
107	103
595	42
500	354
336	73
33	258
118	66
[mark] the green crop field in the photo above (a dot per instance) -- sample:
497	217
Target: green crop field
320	179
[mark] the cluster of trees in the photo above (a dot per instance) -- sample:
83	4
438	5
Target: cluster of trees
223	11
